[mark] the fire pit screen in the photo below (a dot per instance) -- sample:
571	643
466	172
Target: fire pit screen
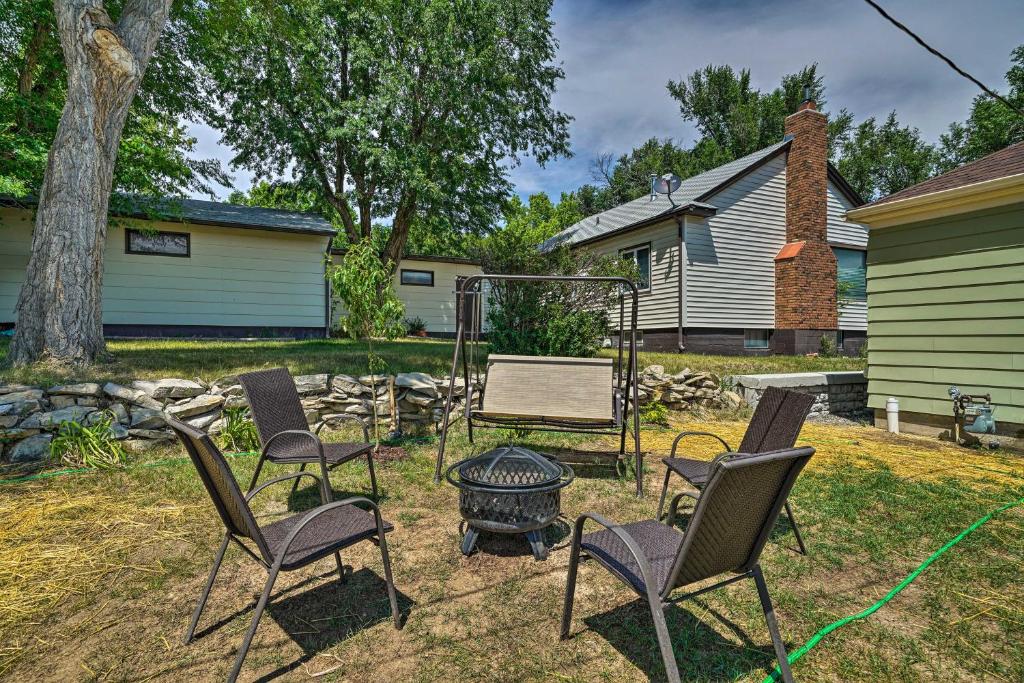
509	490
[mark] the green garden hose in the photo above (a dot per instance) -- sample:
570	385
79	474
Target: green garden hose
816	638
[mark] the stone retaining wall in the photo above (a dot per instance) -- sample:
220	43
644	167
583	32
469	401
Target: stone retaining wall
30	416
836	393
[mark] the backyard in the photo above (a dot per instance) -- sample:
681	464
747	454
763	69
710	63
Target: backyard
99	572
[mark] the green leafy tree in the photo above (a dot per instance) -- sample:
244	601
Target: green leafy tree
392	108
991	125
373	311
879	159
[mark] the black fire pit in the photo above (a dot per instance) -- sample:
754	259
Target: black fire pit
509	490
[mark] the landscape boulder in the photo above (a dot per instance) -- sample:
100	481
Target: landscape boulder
32	449
195	406
82	389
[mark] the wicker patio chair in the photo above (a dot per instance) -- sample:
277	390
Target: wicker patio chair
776	424
727	530
286	544
285	437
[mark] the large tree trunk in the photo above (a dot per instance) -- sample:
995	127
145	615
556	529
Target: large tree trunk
60	308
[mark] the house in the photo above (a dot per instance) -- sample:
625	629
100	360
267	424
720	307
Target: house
212	269
745	258
945	283
427	286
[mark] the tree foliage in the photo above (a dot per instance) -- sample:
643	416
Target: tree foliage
396	109
879	159
155	155
991	125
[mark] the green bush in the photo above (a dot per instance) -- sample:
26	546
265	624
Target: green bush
92	445
239	433
655	413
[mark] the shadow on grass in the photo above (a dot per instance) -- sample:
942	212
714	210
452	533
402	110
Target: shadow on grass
701	653
320	618
556	535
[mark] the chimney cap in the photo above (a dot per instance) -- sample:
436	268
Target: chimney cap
808	101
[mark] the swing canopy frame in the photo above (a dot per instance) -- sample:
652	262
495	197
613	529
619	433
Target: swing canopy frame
546	393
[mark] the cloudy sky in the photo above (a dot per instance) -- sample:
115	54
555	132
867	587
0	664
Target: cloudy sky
618	56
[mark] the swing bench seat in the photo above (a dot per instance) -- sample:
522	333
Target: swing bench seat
562	391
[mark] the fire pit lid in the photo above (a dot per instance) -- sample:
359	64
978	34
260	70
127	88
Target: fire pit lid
510	467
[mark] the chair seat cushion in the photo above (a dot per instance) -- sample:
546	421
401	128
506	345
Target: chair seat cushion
302	449
694	471
659	543
329	532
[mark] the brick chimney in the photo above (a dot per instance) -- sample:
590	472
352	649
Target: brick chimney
805	268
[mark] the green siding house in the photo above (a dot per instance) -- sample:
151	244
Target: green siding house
945	295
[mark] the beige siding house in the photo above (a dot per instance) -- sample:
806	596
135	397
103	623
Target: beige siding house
214	270
426	285
946	295
712	251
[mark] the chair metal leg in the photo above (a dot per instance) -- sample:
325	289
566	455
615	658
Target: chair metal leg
773	626
570	586
341	568
389	579
190	633
256	474
295	484
664	492
796	529
373	476
668	657
260	606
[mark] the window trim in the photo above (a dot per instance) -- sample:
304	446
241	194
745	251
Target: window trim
747	345
403	271
650	263
128	243
864	259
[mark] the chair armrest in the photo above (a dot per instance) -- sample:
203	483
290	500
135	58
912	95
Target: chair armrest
685	434
295	475
634	549
345	416
327	508
671	519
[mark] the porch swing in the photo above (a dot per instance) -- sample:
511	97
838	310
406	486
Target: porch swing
555	394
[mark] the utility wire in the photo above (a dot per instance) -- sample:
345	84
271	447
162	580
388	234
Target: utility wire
989	91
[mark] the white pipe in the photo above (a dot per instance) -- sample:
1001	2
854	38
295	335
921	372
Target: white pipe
892	415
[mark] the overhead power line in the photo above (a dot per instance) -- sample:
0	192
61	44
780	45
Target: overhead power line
920	41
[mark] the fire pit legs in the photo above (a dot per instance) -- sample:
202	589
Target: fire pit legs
535	537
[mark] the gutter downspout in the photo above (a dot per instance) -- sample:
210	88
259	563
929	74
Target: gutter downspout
682	281
327	290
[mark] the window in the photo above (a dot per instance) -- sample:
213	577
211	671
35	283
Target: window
613	341
641	256
417	278
851	274
756	339
157	242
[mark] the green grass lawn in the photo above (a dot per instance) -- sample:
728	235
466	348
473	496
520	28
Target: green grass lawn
153	359
99	573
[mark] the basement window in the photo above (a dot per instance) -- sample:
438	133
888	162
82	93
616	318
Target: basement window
641	256
157	243
756	339
417	278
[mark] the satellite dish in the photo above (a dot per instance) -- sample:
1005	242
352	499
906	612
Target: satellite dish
667	184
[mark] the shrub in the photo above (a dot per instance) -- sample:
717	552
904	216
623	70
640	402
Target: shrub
239	433
415	326
655	413
92	445
827	347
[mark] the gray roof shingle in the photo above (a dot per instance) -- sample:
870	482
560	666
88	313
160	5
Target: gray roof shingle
690	194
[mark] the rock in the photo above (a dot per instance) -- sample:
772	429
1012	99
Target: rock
53	419
88	401
133	396
236	402
14	388
8	421
119	412
419	399
118	431
82	389
442	386
22	396
17	434
311	384
731	398
361	408
226	380
203	421
654	370
418	381
371	380
23	408
151	434
681	376
195	406
217	427
32	449
174	388
145	386
147	418
140	445
58	402
312	416
347	385
233	390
